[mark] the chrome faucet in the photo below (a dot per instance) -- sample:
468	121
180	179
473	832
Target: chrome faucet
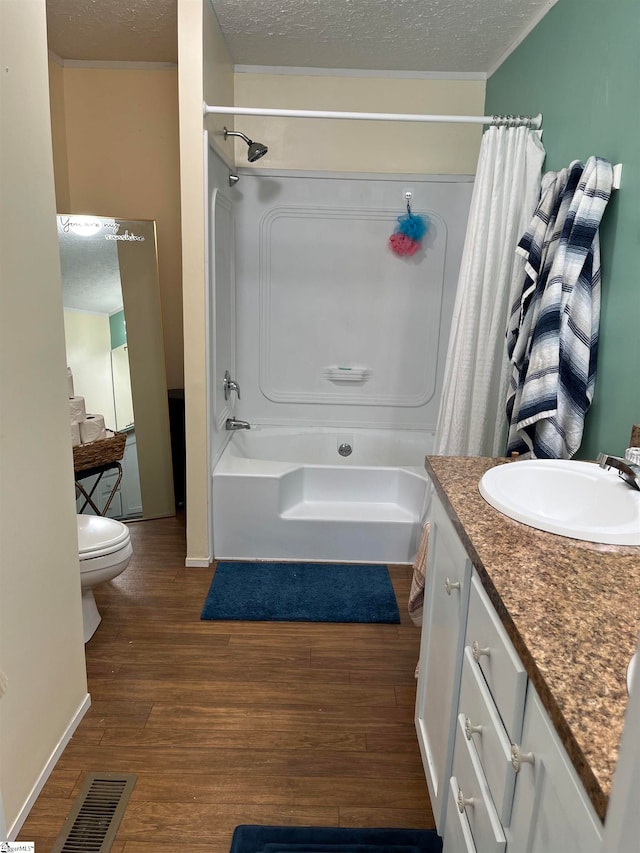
627	471
236	423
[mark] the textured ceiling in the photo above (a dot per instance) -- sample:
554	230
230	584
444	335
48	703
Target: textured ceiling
398	35
90	268
113	30
402	35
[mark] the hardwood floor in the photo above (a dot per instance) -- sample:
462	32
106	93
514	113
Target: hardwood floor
237	722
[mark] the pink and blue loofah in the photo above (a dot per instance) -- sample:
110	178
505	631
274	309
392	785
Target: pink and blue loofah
408	234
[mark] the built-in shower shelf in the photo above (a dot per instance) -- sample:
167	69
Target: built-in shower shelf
347	374
339	511
326	513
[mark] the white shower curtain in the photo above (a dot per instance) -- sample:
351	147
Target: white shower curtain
472	420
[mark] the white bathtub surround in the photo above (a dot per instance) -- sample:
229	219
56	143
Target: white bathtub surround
332	327
471	420
288	494
328	334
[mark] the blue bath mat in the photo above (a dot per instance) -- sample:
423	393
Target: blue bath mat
332	839
301	592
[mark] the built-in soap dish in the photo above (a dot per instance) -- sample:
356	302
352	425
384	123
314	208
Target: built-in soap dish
338	373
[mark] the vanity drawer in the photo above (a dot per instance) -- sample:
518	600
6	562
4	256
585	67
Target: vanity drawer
483	727
457	834
494	654
474	796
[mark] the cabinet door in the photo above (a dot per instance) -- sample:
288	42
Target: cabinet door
551	810
101	495
130	486
446	601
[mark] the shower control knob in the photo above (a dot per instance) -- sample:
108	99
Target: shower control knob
230	385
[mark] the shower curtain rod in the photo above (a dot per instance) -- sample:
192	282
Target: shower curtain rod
533	122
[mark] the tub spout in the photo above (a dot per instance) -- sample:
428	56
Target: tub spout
236	423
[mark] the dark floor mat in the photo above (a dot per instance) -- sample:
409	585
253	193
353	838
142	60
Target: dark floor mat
332	839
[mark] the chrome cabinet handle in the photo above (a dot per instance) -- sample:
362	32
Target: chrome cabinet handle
518	758
463	801
477	651
470	729
450	585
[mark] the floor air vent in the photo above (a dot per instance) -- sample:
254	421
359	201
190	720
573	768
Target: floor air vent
92	823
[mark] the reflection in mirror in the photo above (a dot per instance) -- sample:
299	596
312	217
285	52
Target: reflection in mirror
113	331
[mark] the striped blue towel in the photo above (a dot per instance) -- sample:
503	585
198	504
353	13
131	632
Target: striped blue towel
552	335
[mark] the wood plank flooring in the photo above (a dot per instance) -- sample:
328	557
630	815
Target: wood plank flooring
237	722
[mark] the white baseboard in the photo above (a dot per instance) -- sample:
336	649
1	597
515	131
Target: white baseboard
195	563
47	769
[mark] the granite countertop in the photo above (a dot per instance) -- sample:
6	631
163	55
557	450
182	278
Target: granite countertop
571	610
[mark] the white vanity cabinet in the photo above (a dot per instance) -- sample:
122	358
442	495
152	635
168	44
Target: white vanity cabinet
448	577
499	776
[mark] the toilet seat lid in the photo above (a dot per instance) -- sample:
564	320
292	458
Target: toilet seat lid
98	535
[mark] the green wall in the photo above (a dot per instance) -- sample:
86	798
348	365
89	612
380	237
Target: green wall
117	329
580	67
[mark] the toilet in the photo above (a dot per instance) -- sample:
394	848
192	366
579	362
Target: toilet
104	547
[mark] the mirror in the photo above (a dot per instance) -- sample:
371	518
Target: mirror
114	344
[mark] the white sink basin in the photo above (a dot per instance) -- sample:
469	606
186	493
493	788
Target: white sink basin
576	499
630	671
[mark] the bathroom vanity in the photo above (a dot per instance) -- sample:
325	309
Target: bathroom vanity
521	694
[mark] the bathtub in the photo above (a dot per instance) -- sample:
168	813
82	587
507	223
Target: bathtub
289	494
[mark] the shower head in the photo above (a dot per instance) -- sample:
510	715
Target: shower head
256	149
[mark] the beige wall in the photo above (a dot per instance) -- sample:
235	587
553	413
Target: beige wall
88	346
219	83
122	159
59	136
205	70
41	639
361	146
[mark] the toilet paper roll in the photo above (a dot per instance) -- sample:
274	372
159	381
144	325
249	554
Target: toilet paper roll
70	392
92	428
77	409
75	435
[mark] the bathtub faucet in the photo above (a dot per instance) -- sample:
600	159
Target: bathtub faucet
236	423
